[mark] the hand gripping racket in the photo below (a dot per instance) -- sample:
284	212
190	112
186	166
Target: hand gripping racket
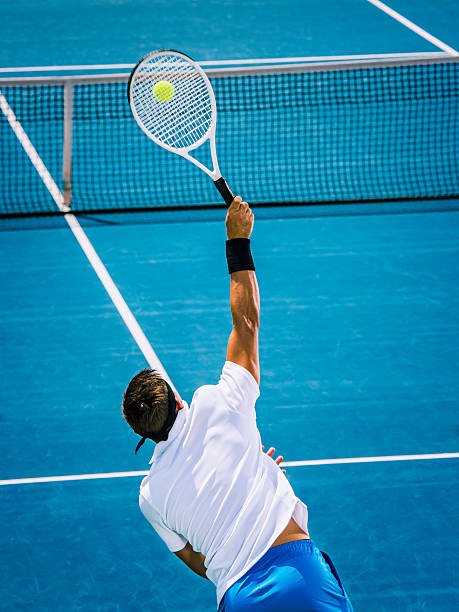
173	102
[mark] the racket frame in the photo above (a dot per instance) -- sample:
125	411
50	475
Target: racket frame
214	174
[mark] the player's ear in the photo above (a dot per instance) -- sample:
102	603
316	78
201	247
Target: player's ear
178	401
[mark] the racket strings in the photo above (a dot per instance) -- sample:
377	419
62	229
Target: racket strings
196	128
195	118
189	124
186	118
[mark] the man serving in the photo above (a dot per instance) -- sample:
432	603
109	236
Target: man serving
221	504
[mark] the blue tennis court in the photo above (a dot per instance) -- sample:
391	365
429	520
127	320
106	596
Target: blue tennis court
359	298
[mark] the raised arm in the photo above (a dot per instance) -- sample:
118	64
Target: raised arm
244	295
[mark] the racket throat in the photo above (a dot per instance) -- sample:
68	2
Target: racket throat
203	157
216	176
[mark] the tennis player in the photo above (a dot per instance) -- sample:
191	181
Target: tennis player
221	504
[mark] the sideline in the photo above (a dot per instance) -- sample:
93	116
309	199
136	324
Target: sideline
412	26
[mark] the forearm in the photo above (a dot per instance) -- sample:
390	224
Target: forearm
245	299
244	294
197	564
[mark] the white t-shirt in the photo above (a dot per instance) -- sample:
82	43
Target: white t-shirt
211	484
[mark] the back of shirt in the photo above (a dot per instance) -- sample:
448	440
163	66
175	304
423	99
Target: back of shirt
211	484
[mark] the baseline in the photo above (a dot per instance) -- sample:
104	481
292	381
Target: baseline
345	460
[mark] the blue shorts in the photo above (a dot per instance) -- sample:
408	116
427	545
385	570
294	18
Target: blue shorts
292	577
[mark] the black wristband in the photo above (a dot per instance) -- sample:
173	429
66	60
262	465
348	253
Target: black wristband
238	255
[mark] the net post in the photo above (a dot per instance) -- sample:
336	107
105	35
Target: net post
68	136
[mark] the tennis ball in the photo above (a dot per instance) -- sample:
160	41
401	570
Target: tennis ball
164	91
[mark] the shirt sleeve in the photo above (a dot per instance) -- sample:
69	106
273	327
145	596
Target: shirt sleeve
239	388
173	540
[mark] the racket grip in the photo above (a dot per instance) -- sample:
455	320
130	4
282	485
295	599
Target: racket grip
224	190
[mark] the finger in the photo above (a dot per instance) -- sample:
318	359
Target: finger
283	471
279	459
262	447
271	451
235	204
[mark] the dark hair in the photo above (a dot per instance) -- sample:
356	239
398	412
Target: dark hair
145	402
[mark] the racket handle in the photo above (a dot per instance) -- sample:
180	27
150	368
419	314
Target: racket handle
224	190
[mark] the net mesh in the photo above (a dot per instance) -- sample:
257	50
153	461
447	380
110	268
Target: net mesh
353	135
186	117
40	111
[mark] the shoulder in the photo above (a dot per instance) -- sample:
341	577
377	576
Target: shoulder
146	491
146	503
234	379
205	396
203	393
239	379
238	386
239	373
236	389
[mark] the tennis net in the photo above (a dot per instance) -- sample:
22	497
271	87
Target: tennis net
309	133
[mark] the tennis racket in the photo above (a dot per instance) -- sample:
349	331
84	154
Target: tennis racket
173	102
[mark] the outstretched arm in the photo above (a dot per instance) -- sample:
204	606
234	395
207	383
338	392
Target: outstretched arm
244	294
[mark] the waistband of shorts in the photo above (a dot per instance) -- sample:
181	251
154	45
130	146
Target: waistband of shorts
299	545
288	549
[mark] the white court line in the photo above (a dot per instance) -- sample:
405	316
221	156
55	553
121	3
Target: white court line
132	324
371	459
412	26
84	243
18	481
72	477
242	62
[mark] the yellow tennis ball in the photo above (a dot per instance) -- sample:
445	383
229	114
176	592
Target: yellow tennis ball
164	91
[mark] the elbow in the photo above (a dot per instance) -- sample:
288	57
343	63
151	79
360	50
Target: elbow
250	322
